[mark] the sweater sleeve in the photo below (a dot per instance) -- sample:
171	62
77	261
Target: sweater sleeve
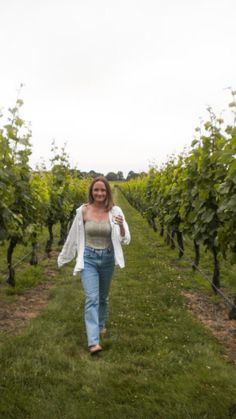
126	238
69	249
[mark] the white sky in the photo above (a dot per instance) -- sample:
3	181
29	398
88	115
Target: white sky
122	82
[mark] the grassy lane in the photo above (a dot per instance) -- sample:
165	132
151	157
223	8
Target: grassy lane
158	362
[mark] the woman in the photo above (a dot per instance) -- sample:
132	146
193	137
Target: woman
96	235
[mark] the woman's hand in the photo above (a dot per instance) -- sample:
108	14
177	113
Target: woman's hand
118	219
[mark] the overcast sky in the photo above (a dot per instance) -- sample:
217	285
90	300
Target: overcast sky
122	82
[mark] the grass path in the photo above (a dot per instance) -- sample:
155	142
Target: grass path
158	361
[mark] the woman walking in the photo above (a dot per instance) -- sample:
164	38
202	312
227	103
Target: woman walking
96	235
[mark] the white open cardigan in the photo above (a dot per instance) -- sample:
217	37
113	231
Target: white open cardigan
75	241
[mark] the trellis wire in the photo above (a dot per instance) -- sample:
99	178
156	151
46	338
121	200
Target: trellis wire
218	290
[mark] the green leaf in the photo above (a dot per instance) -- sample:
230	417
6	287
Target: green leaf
208	216
232	168
224	188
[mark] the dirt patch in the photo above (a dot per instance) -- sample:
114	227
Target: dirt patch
215	317
14	316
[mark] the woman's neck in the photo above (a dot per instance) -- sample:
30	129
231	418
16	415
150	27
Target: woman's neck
97	205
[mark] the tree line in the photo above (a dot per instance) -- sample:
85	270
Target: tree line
112	176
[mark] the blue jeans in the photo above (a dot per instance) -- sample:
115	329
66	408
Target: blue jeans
96	280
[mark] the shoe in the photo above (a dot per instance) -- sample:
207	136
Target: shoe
103	331
94	349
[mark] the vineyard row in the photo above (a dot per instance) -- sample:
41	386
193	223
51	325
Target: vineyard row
194	194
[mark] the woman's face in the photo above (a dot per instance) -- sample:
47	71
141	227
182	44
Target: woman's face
99	192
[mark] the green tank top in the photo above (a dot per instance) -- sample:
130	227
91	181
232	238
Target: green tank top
98	234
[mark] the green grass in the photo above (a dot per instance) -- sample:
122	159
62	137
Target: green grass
158	361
